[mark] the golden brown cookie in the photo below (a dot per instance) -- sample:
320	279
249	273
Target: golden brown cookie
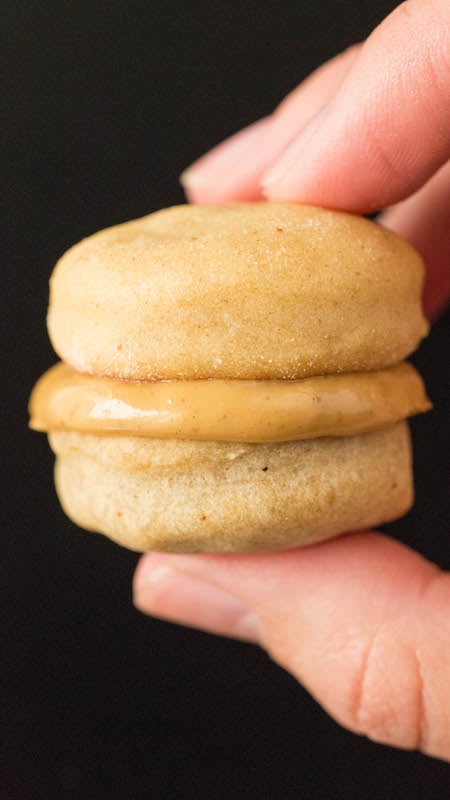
247	291
212	496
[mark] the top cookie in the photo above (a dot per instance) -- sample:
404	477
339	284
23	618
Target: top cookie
243	291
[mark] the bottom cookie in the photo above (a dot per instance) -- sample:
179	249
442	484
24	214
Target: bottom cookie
185	496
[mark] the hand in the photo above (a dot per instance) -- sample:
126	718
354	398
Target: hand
362	621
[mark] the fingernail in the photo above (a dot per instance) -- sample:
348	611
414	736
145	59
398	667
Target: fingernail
282	169
167	593
274	176
224	156
280	174
190	178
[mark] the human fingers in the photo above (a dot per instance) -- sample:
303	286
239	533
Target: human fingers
233	169
362	621
424	220
388	128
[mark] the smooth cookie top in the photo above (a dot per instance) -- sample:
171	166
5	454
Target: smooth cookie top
246	291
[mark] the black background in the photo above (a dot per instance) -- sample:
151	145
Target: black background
106	103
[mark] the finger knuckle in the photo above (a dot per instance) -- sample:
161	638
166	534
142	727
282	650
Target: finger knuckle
388	697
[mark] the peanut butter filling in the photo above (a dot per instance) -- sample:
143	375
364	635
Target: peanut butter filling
227	410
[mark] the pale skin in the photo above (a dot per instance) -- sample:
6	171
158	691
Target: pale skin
362	621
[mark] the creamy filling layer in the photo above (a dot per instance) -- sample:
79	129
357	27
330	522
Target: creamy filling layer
227	410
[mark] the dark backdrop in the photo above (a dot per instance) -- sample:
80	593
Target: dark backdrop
106	103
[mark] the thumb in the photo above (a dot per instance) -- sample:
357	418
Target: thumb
387	129
362	621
